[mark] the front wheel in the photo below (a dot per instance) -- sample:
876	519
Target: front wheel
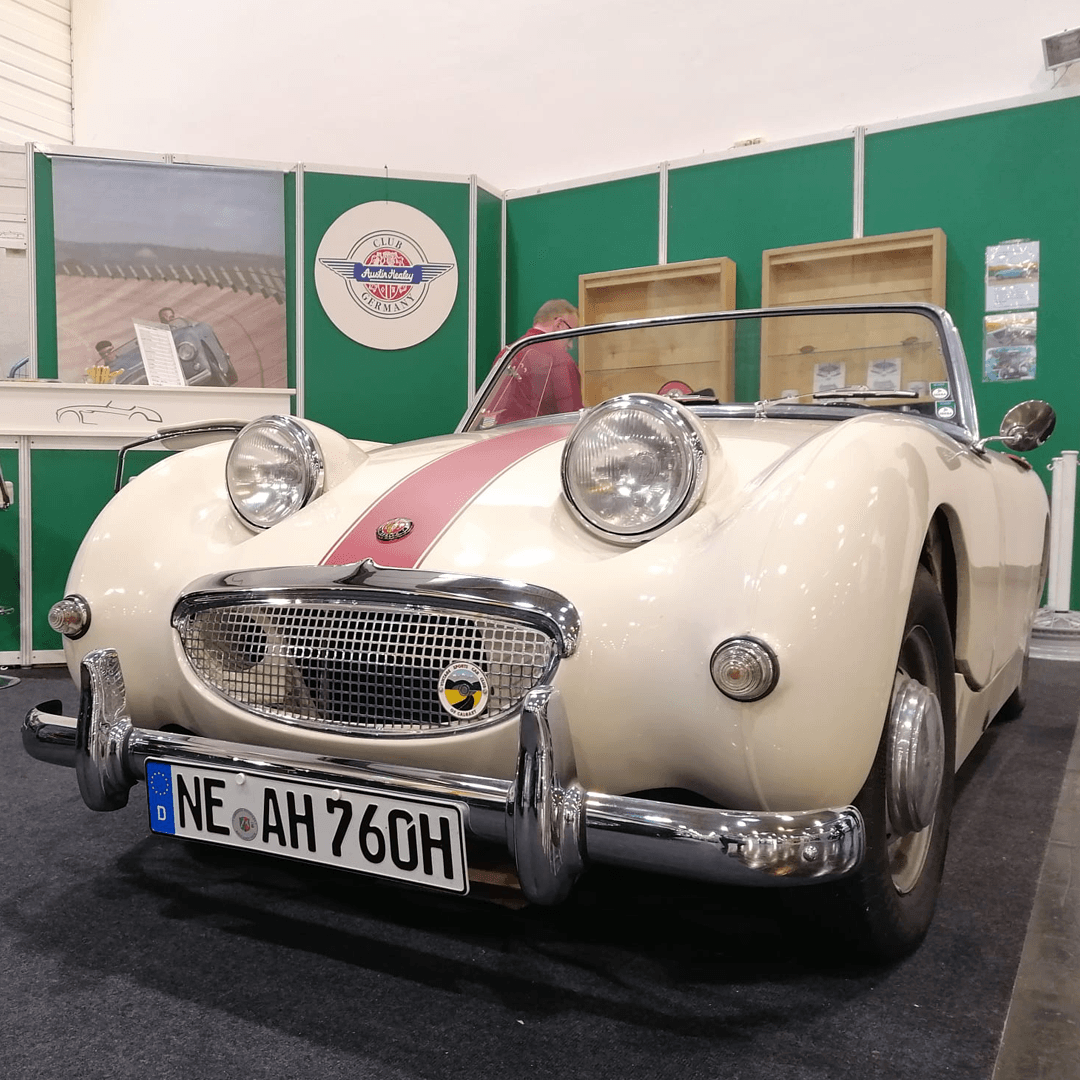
884	909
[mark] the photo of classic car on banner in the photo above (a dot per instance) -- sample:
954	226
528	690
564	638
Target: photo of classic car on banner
742	632
203	361
199	250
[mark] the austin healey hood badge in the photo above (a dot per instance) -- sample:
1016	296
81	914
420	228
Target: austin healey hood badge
394	529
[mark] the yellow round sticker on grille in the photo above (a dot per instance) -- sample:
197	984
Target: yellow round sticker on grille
463	690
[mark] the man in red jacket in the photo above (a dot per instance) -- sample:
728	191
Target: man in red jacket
542	379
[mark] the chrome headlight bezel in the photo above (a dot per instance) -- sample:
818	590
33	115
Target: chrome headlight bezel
686	437
289	494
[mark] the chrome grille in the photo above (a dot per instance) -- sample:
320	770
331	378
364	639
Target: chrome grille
358	666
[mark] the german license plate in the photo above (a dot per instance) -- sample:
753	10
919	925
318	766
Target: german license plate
402	839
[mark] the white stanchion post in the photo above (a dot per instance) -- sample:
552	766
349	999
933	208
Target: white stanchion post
1067	468
1055	534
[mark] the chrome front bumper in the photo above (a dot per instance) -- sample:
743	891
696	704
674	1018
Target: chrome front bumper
551	826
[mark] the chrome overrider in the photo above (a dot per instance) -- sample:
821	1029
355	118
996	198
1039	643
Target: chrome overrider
552	827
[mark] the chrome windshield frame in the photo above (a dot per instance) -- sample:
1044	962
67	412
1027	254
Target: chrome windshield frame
964	428
200	431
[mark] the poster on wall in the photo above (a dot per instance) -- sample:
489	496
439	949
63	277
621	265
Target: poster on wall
148	251
1009	347
1012	275
386	275
884	374
829	376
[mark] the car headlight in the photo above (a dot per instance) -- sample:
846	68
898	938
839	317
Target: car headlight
634	466
274	468
185	350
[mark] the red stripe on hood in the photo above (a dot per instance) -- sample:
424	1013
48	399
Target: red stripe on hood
434	495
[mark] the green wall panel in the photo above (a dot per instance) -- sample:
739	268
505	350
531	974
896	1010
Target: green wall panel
9	557
70	488
984	179
743	206
387	395
488	280
45	268
552	237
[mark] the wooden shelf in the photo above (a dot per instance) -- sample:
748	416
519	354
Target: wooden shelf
619	363
895	267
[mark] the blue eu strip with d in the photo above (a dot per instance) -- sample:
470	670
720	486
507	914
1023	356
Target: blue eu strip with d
159	793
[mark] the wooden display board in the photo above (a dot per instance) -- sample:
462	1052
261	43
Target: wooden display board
699	356
897	267
870	269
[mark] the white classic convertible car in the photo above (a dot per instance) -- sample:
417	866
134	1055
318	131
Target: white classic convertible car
739	619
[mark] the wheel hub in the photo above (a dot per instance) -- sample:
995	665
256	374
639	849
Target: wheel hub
916	756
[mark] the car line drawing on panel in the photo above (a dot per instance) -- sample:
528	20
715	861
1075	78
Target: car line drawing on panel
92	413
743	631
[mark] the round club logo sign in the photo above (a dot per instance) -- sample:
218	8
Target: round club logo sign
386	275
463	690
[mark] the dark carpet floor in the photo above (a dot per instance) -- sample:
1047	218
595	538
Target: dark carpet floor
129	955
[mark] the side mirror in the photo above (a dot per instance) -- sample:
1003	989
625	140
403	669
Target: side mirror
1025	426
1028	425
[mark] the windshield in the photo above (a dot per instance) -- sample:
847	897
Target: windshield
883	358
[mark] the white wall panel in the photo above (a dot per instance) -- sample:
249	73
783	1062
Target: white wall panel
533	92
14	280
35	71
13	185
14	309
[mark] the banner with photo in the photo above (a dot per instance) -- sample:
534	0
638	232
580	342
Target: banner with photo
1009	346
169	274
1012	275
